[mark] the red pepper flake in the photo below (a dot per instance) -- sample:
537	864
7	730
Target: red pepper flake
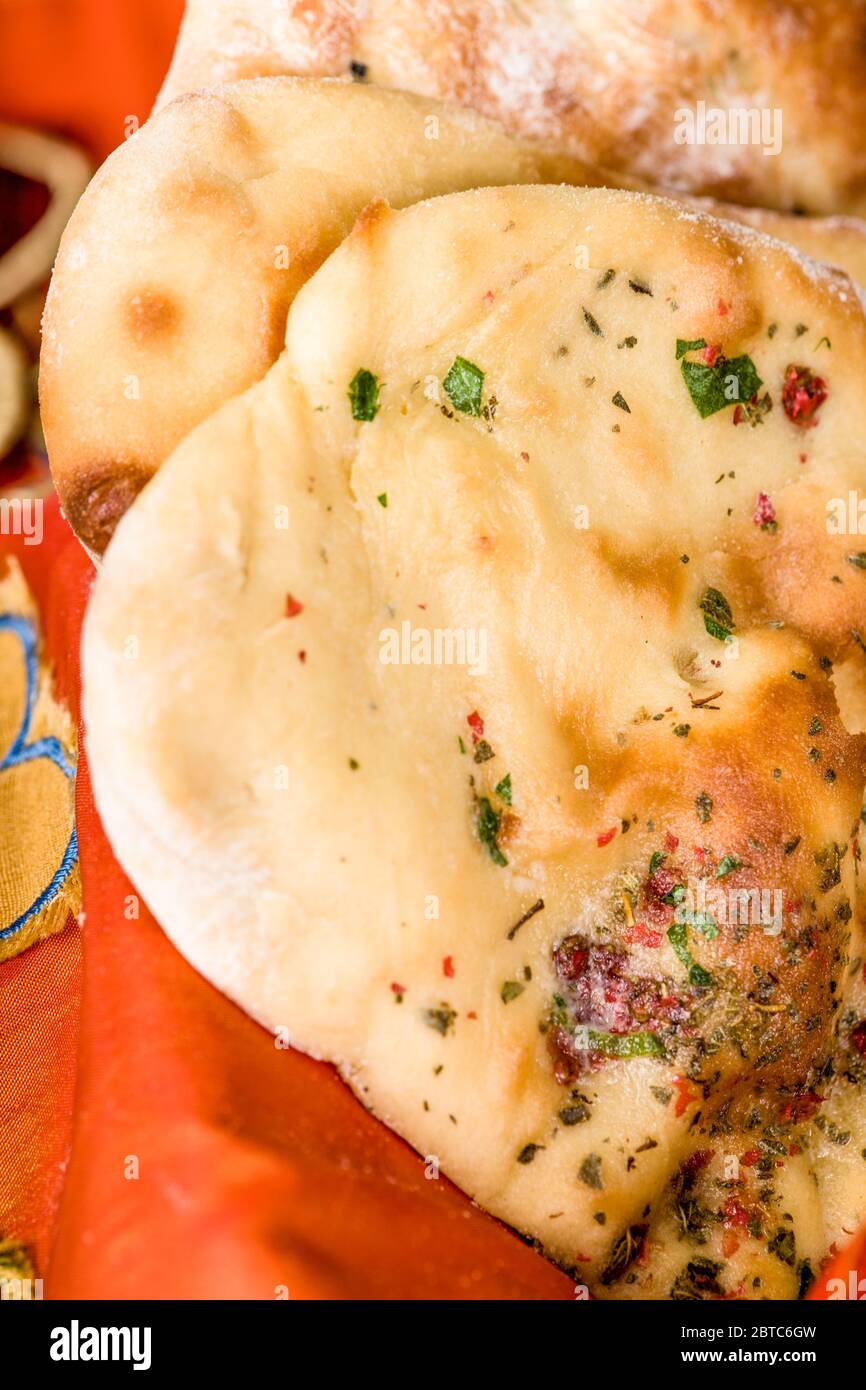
722	308
472	1014
525	457
750	1158
642	935
488	297
399	990
695	1162
802	1106
302	656
858	1037
687	1094
802	458
700	854
671	842
448	967
606	836
735	1214
476	724
730	1245
739	415
710	353
802	394
764	513
293	608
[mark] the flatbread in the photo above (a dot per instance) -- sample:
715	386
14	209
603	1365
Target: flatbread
175	274
605	78
176	271
433	680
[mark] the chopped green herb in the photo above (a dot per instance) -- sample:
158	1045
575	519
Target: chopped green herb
511	989
382	499
639	287
685	345
483	751
682	730
605	279
678	936
704	807
620	400
488	829
729	381
726	865
699	977
857	559
503	789
590	1172
574	1114
592	324
364	395
528	1152
441	1019
626	1044
623	1252
782	1246
718	618
463	386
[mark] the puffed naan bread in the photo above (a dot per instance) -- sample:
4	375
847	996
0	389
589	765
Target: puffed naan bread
355	844
177	269
175	275
604	77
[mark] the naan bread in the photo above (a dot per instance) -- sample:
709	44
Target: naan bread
604	77
430	676
176	271
175	275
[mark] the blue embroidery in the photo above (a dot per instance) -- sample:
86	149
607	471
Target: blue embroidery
23	752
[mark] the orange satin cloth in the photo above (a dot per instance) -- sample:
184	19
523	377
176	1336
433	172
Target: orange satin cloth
257	1171
82	67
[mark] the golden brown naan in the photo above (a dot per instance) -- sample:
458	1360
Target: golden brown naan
591	445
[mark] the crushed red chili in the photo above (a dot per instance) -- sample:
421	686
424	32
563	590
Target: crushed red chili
802	394
764	513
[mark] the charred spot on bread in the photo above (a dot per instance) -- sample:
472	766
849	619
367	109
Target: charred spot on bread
96	498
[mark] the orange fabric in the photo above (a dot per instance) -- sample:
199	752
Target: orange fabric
82	67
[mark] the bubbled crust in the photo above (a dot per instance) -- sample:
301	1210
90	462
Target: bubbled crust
306	820
604	78
175	273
